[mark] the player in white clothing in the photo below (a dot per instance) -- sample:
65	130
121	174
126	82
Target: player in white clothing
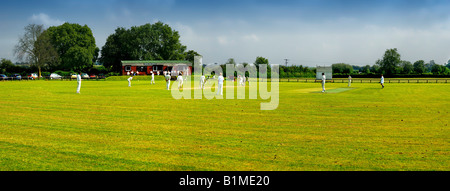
202	82
167	78
323	82
180	80
129	81
220	82
153	78
349	80
79	83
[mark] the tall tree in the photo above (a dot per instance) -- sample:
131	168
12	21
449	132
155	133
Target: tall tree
419	66
261	60
390	61
342	68
75	45
147	42
407	67
366	69
25	49
189	56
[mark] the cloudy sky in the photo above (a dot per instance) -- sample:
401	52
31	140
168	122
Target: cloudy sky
307	32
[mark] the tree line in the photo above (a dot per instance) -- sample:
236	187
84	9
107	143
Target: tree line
392	65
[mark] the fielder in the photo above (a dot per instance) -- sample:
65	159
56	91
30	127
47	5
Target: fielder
382	81
129	81
349	80
153	78
180	80
220	89
202	82
167	78
323	82
79	83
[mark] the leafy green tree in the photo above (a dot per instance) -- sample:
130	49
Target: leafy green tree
230	61
375	68
6	66
342	68
429	66
45	51
419	66
407	67
366	69
258	62
438	69
189	56
147	42
390	61
261	60
75	45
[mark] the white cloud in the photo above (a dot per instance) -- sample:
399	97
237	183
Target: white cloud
45	20
251	38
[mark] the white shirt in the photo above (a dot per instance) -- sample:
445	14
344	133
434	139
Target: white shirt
382	79
78	78
180	78
153	76
221	79
202	78
167	77
130	78
324	78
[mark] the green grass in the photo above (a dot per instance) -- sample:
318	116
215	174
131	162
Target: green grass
45	126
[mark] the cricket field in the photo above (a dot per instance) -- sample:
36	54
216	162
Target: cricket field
46	126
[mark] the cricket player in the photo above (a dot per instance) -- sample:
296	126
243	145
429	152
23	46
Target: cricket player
220	80
79	83
349	80
202	82
129	81
382	81
242	80
153	78
323	82
180	80
167	78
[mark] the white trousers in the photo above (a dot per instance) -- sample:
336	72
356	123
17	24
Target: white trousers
220	89
168	84
79	87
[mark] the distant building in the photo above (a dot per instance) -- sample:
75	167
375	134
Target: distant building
146	67
328	70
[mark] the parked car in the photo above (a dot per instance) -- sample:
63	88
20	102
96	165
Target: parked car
17	77
101	76
84	76
92	76
32	76
73	76
3	77
55	76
